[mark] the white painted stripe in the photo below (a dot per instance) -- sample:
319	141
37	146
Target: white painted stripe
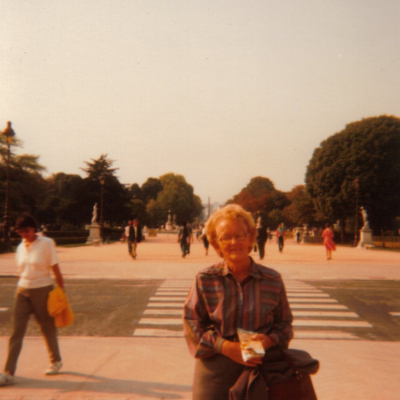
338	314
163	312
300	300
165	305
172	298
304	291
308	295
342	324
324	335
3	309
161	321
318	306
140	332
172	290
395	314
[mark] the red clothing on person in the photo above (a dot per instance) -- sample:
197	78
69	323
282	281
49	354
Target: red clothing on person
328	235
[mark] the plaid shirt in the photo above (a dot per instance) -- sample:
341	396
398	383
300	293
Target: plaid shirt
218	304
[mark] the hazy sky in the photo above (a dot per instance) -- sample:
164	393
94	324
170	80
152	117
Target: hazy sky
218	91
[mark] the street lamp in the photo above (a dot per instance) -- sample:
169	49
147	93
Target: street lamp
102	181
9	134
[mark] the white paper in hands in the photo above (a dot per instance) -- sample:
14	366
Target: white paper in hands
250	348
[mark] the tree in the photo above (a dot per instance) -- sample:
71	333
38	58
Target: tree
261	198
366	150
116	208
63	204
301	209
177	197
27	186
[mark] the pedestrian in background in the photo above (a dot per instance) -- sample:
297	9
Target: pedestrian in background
190	241
261	239
127	231
203	237
37	261
184	239
135	236
328	236
280	233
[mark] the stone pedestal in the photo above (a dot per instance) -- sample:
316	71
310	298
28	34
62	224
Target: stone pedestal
366	238
94	234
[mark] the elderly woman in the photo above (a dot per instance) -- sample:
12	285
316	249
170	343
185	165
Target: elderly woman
235	293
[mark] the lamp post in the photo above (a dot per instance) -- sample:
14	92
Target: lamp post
356	221
9	134
102	181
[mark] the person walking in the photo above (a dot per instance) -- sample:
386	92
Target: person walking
135	236
127	231
37	261
190	241
203	237
280	233
184	239
261	239
328	236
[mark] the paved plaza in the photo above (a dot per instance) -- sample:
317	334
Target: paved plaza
356	340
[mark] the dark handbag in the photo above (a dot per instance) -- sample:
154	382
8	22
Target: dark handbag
299	386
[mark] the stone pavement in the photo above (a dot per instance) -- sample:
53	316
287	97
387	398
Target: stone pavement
152	367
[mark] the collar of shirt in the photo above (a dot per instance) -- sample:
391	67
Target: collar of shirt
29	244
223	270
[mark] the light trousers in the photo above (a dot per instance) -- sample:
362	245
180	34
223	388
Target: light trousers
27	302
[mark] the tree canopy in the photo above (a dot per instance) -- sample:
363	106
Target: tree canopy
366	150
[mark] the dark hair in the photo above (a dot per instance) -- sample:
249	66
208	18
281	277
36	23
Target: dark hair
26	220
327	225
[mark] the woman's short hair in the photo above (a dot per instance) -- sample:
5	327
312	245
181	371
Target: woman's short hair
230	212
26	220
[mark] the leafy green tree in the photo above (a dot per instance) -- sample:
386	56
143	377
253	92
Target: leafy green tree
176	196
150	189
301	209
116	209
62	206
366	150
27	189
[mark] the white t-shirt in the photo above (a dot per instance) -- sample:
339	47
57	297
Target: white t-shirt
34	263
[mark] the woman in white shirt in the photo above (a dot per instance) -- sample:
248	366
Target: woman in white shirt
37	261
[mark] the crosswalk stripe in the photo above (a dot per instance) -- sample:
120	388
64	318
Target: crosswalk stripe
318	300
338	314
341	324
318	306
395	314
311	295
141	332
165	305
3	309
163	298
161	321
163	312
301	334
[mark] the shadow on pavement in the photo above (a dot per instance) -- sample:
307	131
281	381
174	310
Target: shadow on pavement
98	384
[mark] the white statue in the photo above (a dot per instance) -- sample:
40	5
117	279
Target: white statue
365	217
94	218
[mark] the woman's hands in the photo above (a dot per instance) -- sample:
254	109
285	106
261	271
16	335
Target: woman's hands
266	341
234	352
